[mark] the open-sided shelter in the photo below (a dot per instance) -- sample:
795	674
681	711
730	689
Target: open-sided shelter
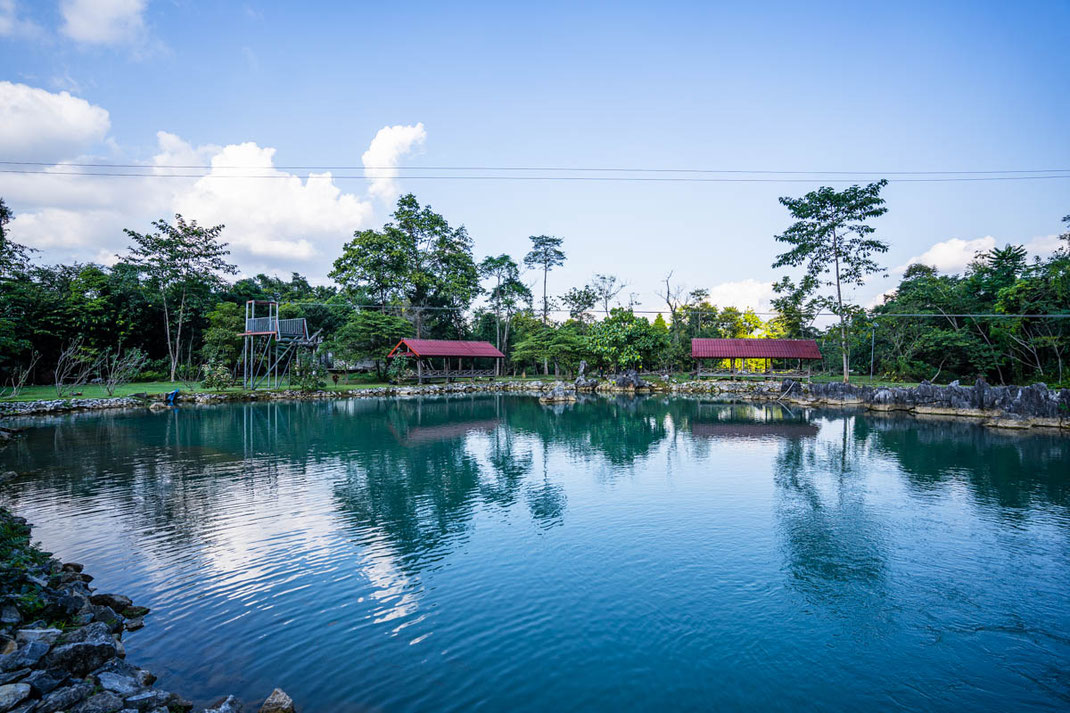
785	351
447	359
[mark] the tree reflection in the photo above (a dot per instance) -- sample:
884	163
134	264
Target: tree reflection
834	546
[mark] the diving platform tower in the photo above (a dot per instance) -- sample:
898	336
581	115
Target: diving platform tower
270	344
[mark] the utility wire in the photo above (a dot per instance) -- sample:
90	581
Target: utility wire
622	179
606	169
997	315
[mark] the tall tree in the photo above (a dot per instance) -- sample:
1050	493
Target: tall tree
370	334
181	262
831	240
503	270
13	257
545	255
580	301
607	287
417	258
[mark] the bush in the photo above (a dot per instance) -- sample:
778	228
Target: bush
307	373
217	376
399	370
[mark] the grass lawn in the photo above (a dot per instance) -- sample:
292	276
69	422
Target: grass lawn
356	381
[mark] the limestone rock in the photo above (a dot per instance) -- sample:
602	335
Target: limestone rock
81	657
230	705
12	694
118	683
26	657
63	699
117	602
44	681
47	636
278	702
103	702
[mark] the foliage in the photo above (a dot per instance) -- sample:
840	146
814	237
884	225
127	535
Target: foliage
545	255
580	301
625	341
370	334
563	346
222	338
506	296
400	369
307	372
181	262
217	376
14	258
606	288
74	368
831	241
119	367
417	259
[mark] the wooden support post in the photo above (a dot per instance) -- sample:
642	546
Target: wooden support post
419	371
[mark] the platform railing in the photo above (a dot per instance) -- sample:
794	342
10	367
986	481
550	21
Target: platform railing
259	324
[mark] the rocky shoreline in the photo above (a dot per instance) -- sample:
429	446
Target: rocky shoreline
61	648
996	406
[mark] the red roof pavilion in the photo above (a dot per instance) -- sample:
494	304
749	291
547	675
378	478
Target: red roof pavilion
754	349
422	348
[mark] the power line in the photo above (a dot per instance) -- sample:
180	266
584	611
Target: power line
894	315
615	179
603	169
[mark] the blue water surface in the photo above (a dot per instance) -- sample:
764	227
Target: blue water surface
634	554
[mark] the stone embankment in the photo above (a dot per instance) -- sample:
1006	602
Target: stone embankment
999	406
61	647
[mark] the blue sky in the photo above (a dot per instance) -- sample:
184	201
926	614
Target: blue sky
796	87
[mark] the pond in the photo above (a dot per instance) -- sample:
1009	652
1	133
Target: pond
634	554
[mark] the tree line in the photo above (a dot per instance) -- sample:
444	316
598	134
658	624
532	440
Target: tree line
168	308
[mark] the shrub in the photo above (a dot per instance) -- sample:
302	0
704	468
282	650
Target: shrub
217	376
307	373
400	369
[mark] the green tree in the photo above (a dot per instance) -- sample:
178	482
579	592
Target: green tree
580	301
506	274
417	258
606	288
222	338
370	334
375	262
625	341
182	263
545	255
831	241
14	258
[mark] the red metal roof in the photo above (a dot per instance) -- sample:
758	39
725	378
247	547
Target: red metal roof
754	349
447	348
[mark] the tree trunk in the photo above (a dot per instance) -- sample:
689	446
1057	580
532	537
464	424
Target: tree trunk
839	304
167	334
545	298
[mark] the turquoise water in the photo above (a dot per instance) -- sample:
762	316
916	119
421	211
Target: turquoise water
489	553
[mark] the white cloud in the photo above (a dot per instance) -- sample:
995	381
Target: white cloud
952	255
743	294
384	153
13	25
276	221
1044	245
104	22
275	216
40	125
72	230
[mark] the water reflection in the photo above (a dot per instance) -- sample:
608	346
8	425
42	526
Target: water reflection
361	524
833	542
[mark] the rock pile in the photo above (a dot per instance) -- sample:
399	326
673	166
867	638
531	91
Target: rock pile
61	646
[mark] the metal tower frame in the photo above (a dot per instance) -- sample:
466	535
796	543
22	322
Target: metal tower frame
270	344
